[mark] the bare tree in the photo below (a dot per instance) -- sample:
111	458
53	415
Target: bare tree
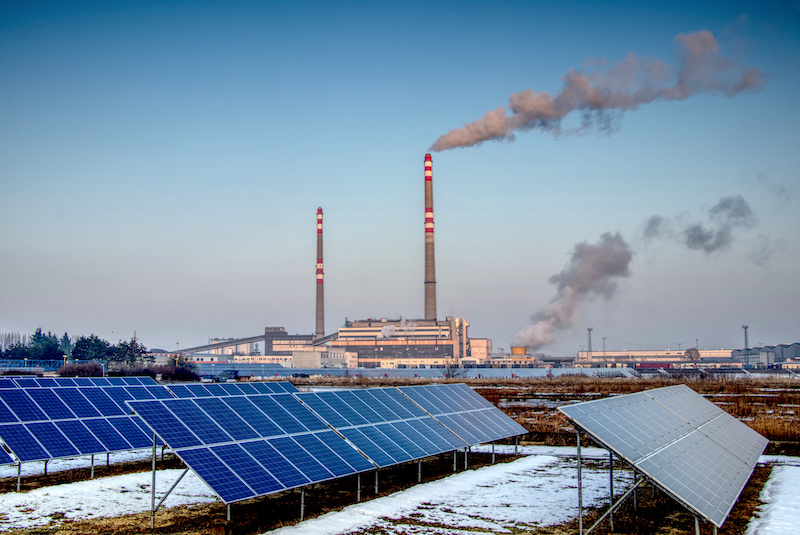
692	354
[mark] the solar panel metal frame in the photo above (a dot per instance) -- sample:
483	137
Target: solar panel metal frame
695	445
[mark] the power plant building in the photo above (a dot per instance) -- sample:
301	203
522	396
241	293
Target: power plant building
423	343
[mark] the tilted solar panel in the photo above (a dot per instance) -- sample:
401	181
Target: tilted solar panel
248	446
464	412
692	449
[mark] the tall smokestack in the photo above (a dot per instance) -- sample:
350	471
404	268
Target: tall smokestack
430	264
320	331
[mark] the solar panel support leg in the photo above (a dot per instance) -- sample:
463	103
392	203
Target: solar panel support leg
492	452
696	525
92	476
45	468
108	459
376	482
715	530
615	505
153	486
611	489
358	489
455	459
466	452
228	516
302	503
19	476
580	483
516	441
419	471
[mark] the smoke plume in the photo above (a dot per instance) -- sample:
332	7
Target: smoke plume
714	235
592	271
602	93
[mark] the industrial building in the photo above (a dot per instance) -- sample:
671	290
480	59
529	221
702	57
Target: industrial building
383	343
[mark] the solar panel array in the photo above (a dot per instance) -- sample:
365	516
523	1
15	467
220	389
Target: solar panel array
43	418
248	446
690	447
383	423
464	412
42	423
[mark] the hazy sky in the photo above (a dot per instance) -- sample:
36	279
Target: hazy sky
161	164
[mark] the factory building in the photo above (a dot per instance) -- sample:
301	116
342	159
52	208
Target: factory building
401	343
626	358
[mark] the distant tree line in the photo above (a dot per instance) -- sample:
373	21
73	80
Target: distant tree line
40	346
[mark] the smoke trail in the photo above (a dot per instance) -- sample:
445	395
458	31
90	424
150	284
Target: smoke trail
592	271
599	94
711	236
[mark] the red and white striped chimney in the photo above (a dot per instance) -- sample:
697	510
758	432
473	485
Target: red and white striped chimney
320	330
430	264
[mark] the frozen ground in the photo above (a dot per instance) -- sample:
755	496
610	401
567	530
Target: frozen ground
537	490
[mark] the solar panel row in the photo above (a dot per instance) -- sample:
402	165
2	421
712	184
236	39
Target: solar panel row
683	442
247	446
54	382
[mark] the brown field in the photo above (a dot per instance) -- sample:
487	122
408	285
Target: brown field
769	406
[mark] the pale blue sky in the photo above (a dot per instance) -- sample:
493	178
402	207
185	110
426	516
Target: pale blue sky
161	164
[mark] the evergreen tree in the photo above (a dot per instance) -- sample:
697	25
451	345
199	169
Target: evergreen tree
91	348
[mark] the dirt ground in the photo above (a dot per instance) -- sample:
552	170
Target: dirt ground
656	513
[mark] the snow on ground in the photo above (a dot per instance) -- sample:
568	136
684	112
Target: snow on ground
536	490
778	516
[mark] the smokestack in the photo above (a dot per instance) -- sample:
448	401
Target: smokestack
746	344
589	329
320	331
430	264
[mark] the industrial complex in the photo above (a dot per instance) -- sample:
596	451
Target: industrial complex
433	342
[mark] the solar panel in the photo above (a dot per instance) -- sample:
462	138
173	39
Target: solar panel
464	412
695	451
381	422
247	446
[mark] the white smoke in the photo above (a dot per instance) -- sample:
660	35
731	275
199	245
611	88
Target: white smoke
601	94
593	270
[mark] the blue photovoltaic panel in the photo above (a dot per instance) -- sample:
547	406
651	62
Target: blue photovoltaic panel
80	436
259	421
464	412
65	381
26	382
323	410
324	455
284	471
248	389
132	433
52	439
6	416
5	458
231	389
226	418
364	410
309	420
300	458
21	405
699	454
166	424
180	391
159	392
50	403
368	398
77	402
22	443
105	433
7	383
248	469
139	392
102	402
356	460
219	477
120	395
114	381
278	414
216	390
372	450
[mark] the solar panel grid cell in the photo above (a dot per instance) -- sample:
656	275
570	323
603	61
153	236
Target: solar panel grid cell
352	457
363	410
166	425
368	446
231	389
53	407
368	398
341	408
222	480
248	469
133	434
52	439
105	432
226	418
7	383
322	453
98	398
180	391
385	443
22	443
215	390
279	467
80	437
323	410
22	406
259	421
206	429
6	416
291	405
